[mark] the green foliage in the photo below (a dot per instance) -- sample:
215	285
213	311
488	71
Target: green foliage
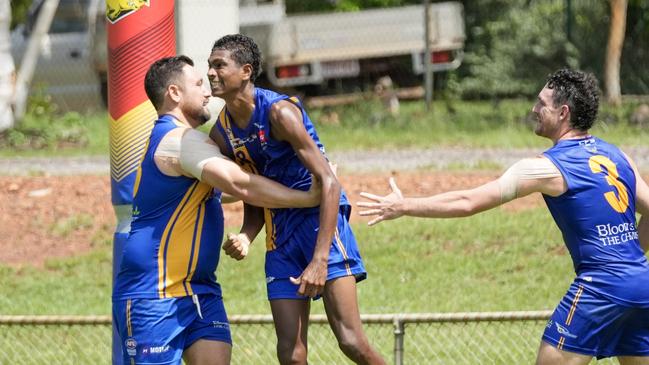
512	53
302	6
512	45
44	129
19	11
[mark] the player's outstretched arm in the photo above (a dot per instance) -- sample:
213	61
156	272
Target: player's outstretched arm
523	178
459	203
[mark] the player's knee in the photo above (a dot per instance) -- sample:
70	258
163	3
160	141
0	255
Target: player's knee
290	353
355	347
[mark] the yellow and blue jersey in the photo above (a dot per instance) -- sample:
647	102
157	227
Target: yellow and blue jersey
255	151
174	242
596	216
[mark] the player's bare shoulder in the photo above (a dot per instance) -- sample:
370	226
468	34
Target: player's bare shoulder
285	119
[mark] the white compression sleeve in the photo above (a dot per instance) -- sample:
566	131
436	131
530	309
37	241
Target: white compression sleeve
196	150
525	169
169	147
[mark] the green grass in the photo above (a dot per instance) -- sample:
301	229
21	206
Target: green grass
490	262
93	130
365	125
496	261
473	124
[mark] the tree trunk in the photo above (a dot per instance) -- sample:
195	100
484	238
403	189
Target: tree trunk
614	51
7	70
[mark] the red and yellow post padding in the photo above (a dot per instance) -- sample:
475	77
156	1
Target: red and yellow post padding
139	33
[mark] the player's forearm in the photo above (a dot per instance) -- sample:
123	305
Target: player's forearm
253	221
329	207
446	205
254	189
267	193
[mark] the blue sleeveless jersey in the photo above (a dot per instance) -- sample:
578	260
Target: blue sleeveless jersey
174	243
255	151
596	216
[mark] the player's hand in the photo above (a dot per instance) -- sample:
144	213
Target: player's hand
236	246
315	191
312	280
383	207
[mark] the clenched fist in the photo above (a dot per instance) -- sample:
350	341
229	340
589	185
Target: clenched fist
236	246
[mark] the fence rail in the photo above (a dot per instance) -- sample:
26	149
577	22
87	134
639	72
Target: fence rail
63	320
402	338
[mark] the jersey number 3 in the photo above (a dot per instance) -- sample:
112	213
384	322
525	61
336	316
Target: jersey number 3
619	204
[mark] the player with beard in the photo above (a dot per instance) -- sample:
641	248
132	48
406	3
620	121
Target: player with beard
166	301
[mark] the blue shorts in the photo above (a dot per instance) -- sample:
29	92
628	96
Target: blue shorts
291	258
157	331
587	323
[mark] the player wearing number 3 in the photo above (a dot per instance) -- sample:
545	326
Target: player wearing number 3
592	190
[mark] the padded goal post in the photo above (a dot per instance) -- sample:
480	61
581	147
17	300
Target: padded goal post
139	32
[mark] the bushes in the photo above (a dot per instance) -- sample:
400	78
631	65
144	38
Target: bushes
44	129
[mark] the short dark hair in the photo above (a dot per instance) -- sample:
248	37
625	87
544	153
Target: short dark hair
580	91
243	49
161	74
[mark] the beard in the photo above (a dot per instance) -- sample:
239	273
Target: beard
200	115
205	115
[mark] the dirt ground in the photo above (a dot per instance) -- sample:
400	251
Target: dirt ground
59	216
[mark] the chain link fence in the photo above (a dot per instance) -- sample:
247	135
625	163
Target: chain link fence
442	338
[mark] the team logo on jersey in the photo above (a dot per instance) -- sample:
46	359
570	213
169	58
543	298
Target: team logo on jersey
589	145
131	346
564	331
241	142
116	10
262	136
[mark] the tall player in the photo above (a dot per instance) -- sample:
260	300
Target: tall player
166	300
593	191
310	252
